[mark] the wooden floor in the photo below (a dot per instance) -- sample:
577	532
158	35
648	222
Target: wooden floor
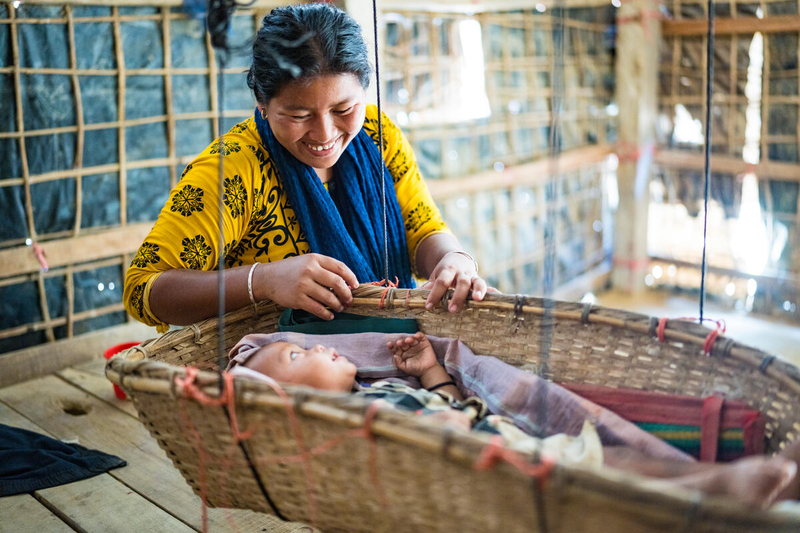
78	404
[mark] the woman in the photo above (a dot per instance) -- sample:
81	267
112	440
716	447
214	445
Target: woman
303	218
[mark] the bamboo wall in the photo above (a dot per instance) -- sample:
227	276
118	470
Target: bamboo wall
89	163
110	102
488	173
777	142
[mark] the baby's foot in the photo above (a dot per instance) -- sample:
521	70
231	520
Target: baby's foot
755	481
792	453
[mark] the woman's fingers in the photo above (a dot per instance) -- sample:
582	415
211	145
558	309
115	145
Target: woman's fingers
441	283
336	285
463	283
314	307
340	269
479	288
324	296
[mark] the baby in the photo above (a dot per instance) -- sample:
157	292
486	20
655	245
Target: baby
756	480
324	368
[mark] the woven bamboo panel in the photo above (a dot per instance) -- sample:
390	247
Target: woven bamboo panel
466	114
67	305
755	131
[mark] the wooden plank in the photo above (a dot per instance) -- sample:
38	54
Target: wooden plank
26	514
724	26
48	358
95	366
23	514
102	503
721	163
528	174
150	472
98	386
108	243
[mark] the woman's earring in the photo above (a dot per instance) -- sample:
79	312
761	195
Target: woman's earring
263	113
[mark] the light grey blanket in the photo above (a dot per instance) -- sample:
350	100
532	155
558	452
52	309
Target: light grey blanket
536	406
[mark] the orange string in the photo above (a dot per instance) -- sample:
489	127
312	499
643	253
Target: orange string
201	460
662	325
227	398
41	256
494	452
711	338
389	285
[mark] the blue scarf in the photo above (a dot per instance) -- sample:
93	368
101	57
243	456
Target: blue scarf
346	221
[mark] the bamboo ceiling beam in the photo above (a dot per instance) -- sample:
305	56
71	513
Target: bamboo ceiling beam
526	174
87	247
723	26
679	159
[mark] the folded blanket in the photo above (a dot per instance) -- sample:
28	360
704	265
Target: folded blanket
536	406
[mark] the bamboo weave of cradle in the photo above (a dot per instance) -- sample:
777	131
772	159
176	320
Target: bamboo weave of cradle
425	476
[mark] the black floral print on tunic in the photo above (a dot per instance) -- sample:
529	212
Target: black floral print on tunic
418	217
239	128
235	195
137	299
146	255
186	171
195	252
187	201
225	147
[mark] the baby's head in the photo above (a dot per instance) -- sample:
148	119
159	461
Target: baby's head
318	367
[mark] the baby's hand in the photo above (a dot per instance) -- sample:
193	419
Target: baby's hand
413	355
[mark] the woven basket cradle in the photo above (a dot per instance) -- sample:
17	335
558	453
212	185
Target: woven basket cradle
413	476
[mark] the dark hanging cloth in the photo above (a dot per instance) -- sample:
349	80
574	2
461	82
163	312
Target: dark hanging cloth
30	461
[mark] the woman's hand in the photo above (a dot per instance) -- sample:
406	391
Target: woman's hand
310	282
457	271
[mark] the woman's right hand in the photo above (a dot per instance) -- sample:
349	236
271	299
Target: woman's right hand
311	282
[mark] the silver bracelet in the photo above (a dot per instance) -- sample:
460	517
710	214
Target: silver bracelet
475	263
250	283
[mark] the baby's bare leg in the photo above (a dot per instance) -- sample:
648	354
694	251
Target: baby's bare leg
791	453
757	481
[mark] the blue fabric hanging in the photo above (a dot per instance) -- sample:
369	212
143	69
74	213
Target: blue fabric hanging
345	222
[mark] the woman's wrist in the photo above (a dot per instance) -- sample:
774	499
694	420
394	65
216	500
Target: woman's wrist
259	285
465	254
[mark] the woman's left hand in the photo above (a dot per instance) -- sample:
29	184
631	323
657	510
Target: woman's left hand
454	271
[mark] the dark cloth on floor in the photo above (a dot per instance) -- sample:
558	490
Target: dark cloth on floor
30	461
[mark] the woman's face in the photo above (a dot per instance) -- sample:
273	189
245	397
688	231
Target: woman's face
316	119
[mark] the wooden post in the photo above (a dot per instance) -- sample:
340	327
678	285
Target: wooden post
638	38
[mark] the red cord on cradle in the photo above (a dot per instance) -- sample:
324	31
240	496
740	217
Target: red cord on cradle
226	398
711	338
490	455
389	285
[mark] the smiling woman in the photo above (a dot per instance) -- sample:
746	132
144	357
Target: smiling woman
304	179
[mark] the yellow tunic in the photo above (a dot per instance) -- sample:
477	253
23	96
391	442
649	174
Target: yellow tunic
259	225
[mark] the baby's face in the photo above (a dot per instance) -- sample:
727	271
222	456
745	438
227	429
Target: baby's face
318	367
